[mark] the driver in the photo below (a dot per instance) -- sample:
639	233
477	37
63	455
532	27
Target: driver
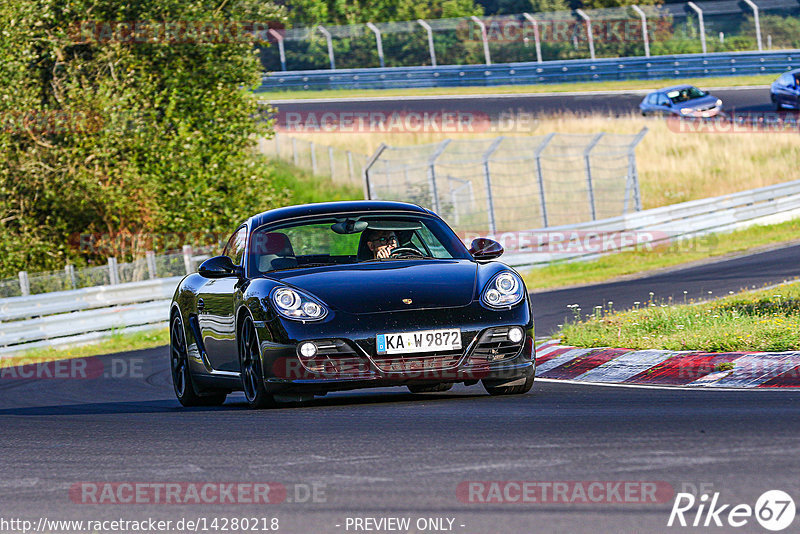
381	243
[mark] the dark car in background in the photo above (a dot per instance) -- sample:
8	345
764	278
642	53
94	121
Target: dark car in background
785	91
299	305
682	101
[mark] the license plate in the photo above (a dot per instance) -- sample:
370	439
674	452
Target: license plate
423	341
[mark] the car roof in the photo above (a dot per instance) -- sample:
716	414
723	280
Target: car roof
674	88
328	208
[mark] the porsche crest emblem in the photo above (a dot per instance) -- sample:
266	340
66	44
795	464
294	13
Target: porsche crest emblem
407	301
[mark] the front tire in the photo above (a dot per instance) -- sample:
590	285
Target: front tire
518	389
250	367
776	101
182	381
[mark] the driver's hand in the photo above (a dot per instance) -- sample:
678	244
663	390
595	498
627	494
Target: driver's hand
384	252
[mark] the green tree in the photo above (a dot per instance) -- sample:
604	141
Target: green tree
112	133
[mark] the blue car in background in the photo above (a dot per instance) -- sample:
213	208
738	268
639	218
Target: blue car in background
682	101
785	91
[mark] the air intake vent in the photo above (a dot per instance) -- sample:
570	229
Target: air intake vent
336	359
494	346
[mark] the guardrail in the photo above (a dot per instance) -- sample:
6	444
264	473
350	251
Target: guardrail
567	71
69	317
668	224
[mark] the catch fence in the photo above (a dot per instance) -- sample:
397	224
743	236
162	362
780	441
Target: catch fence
685	28
511	183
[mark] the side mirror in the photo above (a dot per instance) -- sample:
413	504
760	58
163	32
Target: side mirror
218	267
483	249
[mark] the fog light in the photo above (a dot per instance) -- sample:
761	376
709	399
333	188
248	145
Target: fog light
515	334
308	349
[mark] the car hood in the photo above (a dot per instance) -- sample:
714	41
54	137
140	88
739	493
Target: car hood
704	102
374	287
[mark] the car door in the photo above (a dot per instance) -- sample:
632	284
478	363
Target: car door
216	309
664	105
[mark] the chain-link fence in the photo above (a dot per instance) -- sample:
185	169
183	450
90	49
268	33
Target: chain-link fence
150	267
341	166
714	26
513	183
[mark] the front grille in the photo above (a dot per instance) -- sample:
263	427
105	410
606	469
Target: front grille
405	363
336	358
494	346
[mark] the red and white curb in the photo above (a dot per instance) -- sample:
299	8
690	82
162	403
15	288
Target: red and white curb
668	368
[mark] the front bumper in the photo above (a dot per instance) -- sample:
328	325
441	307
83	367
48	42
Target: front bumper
349	340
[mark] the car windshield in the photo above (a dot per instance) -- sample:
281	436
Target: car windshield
683	95
351	239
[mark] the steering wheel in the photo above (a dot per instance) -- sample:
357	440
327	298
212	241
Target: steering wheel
402	251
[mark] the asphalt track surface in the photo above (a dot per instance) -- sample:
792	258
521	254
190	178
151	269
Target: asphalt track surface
387	453
740	100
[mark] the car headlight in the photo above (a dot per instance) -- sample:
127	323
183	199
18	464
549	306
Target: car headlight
686	111
719	102
294	304
504	290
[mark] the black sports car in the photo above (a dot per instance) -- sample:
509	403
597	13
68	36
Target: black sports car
323	297
785	91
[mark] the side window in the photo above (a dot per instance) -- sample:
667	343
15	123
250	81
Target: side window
786	79
663	100
652	99
235	247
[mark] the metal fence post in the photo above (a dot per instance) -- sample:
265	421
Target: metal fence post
350	168
24	284
540	176
585	17
368	166
484	38
378	42
277	145
432	174
754	7
150	257
113	271
488	177
430	40
645	37
536	39
69	271
313	151
589	184
294	151
702	24
327	35
332	164
633	173
187	259
278	37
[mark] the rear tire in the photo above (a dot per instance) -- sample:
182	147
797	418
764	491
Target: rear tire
250	368
435	388
182	382
510	390
777	103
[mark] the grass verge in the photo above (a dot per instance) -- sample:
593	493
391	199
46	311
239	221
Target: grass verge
636	262
765	320
117	342
623	85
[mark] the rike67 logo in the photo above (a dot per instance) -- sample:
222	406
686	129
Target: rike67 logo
774	510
